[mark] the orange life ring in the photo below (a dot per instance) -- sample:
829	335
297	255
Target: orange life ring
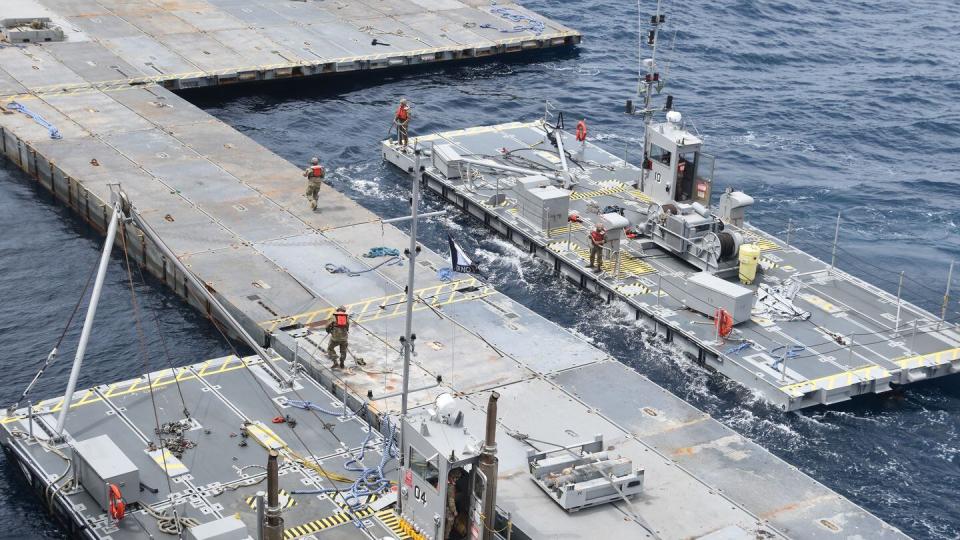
118	508
581	131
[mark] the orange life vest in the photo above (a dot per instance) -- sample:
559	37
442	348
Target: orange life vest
598	236
341	320
402	114
316	171
581	131
723	321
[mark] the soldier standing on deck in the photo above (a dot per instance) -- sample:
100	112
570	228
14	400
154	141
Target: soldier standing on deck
314	175
402	119
338	328
598	237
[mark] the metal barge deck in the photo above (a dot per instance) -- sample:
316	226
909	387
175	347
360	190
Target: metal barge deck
233	213
857	340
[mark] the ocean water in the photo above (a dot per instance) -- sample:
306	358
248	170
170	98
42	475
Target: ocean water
812	107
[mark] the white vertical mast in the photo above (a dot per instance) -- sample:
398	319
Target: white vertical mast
646	81
88	321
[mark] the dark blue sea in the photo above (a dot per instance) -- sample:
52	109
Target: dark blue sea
812	107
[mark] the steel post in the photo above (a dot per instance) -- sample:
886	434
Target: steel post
946	295
408	336
273	526
616	267
789	231
896	326
91	314
836	237
489	465
261	499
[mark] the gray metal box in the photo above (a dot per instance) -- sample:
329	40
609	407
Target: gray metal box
98	462
447	160
228	528
546	207
705	292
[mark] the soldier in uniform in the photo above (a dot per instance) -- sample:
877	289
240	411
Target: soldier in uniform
402	119
314	175
451	505
338	328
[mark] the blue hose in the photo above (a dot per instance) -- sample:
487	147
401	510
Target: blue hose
19	107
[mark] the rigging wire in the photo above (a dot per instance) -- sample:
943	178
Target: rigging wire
141	338
52	357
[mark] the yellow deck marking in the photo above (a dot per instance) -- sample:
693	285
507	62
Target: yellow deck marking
129	388
285	500
629	264
393	522
321	524
640	196
383	307
929	359
846	378
265	436
581	195
168	462
571	227
765	243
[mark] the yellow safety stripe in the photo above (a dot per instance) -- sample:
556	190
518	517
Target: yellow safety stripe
929	360
382	307
846	378
136	386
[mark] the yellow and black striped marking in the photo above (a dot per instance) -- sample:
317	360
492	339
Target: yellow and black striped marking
628	263
765	243
392	521
317	525
286	501
383	307
640	196
569	227
615	188
634	289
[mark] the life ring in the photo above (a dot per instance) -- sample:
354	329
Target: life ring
118	508
581	131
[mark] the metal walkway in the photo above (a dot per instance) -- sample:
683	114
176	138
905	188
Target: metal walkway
248	233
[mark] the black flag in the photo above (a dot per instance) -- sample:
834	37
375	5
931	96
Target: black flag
459	259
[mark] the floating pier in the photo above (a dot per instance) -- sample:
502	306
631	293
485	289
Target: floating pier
90	115
837	337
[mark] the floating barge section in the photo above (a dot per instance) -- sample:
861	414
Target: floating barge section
856	338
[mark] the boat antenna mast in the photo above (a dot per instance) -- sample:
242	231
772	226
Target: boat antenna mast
648	77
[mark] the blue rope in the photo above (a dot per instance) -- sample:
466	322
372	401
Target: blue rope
19	107
445	274
738	348
381	251
372	480
522	22
336	269
789	352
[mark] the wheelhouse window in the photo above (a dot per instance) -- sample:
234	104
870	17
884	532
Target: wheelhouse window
659	154
427	469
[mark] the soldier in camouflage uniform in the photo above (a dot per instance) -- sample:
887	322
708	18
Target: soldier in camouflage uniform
338	328
451	504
